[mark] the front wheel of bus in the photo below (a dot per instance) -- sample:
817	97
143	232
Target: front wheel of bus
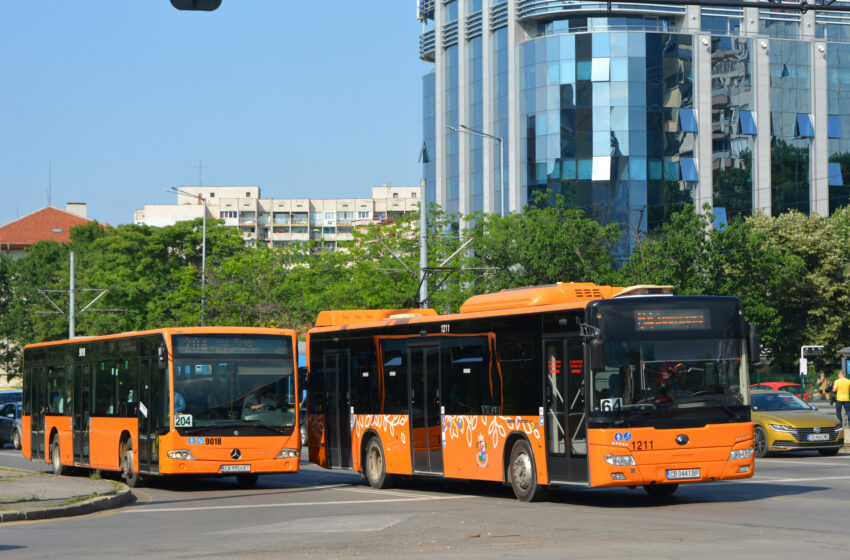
762	449
56	458
374	466
523	474
131	477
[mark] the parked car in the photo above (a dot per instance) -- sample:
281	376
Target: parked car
783	422
793	388
10	424
10	395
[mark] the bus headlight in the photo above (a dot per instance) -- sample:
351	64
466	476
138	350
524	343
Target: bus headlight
620	460
741	454
182	454
287	453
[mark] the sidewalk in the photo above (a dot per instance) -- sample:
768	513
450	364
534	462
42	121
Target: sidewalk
27	495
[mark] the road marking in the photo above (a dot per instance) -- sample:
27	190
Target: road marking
391	493
773	480
332	503
778	462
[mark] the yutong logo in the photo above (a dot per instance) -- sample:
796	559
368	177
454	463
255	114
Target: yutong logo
235	454
682	439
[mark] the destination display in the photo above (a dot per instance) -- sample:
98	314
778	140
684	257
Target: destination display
232	344
672	319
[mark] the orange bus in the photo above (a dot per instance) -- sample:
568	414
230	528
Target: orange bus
204	401
567	384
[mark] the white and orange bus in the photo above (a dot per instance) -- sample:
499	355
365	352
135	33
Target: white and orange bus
567	384
203	401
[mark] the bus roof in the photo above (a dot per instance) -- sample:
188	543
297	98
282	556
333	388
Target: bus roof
515	300
170	331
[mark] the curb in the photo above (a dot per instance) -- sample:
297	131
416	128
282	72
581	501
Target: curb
99	503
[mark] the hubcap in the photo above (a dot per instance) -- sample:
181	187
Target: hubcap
522	470
374	463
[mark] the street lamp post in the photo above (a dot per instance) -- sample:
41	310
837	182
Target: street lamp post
203	246
466	130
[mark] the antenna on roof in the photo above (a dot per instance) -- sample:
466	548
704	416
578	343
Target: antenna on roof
49	180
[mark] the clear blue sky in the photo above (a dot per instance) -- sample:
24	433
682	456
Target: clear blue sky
123	98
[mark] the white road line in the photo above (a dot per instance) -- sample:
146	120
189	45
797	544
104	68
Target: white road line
333	503
774	480
779	462
389	492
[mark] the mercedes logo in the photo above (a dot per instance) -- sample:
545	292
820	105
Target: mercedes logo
682	439
235	454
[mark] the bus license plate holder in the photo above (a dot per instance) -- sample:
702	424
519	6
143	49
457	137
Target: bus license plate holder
235	468
818	437
682	474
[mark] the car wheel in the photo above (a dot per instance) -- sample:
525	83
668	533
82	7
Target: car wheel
762	450
16	439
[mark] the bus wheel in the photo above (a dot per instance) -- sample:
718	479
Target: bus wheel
131	477
247	480
16	439
762	450
523	474
660	490
374	466
56	458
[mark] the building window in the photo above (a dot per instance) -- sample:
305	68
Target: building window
747	123
804	126
687	120
413	195
835	178
364	215
689	169
247	195
834	128
395	195
212	195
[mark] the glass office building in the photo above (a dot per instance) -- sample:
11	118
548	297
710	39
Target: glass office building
631	111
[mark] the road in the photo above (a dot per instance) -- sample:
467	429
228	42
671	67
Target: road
795	506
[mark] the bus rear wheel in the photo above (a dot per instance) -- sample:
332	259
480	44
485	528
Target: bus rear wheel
375	467
523	474
56	458
128	473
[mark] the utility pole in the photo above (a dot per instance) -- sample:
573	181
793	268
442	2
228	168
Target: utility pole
423	247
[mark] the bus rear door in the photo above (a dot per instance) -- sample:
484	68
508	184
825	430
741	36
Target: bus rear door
82	409
338	416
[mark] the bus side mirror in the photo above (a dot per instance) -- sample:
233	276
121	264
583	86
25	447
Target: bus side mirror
162	356
597	355
753	344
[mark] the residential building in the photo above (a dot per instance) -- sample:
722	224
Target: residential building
631	110
277	222
49	223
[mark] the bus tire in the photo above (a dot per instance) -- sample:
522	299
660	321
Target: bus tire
16	439
247	480
128	473
762	448
375	465
523	474
56	458
660	490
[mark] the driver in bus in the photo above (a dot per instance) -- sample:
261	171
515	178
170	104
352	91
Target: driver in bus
261	399
678	384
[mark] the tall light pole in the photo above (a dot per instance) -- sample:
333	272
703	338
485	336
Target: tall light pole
203	246
466	130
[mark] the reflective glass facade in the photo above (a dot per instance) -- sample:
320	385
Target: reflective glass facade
631	111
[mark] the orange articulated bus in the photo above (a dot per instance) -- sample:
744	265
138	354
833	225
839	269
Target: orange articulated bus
568	384
203	401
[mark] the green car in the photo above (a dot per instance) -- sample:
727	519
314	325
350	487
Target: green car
783	422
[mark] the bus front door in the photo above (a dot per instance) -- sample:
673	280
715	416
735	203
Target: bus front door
338	418
81	410
566	420
151	385
425	435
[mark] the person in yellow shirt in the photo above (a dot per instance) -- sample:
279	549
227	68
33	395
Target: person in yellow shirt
842	396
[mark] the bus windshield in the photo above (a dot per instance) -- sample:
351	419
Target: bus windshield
666	365
222	385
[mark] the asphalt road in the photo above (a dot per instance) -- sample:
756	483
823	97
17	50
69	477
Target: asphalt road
795	506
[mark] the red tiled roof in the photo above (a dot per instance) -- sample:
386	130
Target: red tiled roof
49	223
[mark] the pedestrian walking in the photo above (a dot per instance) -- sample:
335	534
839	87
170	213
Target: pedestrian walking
841	387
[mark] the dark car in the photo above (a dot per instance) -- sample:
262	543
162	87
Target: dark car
10	424
10	395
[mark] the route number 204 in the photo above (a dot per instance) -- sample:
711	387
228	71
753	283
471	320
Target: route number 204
183	421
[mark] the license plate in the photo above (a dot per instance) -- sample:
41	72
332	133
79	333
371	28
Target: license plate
679	474
235	468
818	437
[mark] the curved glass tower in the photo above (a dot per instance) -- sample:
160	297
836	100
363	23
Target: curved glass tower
630	111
